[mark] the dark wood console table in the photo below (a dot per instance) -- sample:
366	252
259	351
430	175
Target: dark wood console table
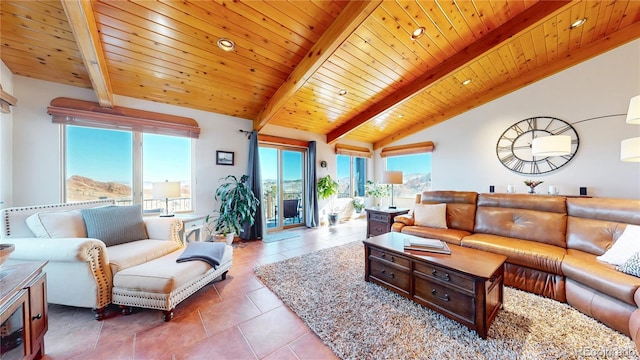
23	310
466	286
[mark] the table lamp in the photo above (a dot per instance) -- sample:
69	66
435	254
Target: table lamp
392	177
166	190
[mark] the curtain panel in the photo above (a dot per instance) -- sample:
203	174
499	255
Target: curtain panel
255	231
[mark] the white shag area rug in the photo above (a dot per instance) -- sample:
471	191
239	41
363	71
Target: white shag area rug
361	320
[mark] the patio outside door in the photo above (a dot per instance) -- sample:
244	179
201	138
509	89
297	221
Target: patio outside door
282	170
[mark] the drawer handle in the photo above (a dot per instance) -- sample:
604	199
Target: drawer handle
391	258
446	276
37	317
434	292
390	276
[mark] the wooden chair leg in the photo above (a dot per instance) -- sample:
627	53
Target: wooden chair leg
126	310
99	313
167	315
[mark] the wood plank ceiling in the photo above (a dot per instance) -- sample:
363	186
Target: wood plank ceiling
292	58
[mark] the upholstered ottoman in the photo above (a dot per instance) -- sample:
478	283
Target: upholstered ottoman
163	283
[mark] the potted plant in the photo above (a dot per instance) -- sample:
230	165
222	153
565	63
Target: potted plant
376	191
358	204
238	205
327	189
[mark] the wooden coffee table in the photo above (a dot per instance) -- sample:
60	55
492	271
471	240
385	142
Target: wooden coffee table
465	286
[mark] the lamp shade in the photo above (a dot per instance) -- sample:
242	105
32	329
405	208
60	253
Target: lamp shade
555	145
633	114
391	177
165	190
630	149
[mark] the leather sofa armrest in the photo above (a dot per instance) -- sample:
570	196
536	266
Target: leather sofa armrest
164	228
405	219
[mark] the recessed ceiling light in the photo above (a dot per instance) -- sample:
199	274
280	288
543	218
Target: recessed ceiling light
343	92
417	33
226	44
466	82
577	23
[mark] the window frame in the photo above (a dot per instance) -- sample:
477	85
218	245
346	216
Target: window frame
137	181
352	181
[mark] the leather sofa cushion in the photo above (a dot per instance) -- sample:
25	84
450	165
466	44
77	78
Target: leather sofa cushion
452	236
626	211
461	207
537	218
585	269
531	254
592	236
594	224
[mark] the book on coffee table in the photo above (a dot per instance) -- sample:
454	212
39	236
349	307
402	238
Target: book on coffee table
430	245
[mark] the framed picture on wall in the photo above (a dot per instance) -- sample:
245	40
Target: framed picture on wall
224	157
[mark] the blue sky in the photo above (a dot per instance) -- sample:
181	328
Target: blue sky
269	161
105	155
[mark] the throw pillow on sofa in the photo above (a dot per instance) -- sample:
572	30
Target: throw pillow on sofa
622	249
631	266
115	224
57	224
431	215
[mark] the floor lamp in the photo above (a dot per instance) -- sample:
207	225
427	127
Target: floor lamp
630	148
166	190
392	177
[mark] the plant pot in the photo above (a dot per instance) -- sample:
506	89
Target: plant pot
333	219
229	238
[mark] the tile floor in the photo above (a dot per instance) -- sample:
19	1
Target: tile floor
237	318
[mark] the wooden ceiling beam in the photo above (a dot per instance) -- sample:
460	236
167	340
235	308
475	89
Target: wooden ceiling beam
596	48
83	25
350	18
522	21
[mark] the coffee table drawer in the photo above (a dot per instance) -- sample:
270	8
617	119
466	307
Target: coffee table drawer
390	275
387	256
444	275
456	303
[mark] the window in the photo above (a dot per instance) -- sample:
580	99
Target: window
416	173
351	175
102	164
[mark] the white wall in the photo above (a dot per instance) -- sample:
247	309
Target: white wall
465	158
6	144
37	143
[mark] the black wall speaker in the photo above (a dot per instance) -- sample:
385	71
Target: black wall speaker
492	188
583	190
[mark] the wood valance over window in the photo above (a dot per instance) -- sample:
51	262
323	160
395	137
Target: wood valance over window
408	149
352	150
86	113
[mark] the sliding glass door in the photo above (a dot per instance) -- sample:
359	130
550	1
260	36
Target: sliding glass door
282	170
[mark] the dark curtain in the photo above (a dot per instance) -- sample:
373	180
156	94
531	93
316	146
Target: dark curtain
256	230
311	211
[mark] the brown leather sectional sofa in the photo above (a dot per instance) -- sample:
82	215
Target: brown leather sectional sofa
551	243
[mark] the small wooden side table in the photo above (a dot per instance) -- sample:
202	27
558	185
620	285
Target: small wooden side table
379	221
193	226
